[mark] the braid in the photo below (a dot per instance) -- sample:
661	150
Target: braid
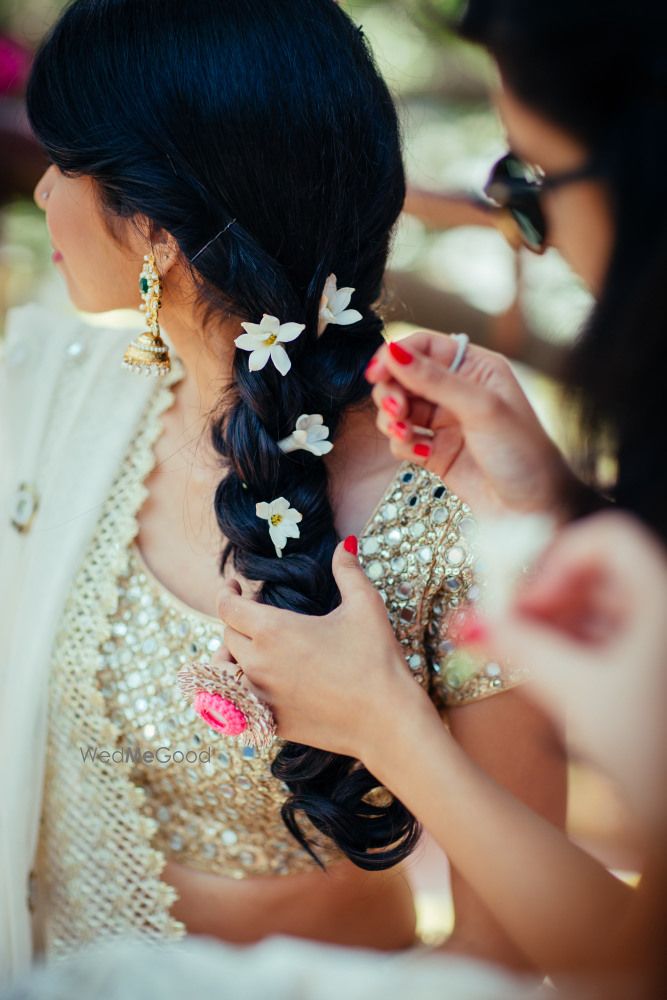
259	409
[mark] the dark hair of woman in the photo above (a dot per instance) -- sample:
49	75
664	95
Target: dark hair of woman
270	113
599	71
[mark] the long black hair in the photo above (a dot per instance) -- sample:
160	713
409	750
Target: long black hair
598	69
270	113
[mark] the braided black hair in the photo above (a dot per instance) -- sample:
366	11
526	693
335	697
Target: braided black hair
264	121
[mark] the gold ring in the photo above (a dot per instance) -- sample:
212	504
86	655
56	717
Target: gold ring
226	705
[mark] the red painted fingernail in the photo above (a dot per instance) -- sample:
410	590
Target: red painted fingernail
399	429
400	354
369	367
351	545
422	450
390	405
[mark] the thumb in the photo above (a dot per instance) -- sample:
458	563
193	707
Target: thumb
347	570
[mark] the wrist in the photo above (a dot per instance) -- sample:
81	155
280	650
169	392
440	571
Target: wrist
403	715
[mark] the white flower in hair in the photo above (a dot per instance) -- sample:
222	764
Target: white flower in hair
283	521
265	340
310	434
333	305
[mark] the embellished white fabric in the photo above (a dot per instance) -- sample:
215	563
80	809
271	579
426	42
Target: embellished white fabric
96	873
67	415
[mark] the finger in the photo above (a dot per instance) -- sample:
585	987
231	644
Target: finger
226	660
401	435
578	599
348	573
261	693
402	451
244	614
440	347
391	398
222	657
392	429
399	430
470	403
404	430
375	370
241	649
436	452
441	344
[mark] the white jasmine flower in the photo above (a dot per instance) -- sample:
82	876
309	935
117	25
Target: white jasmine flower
283	521
265	341
333	305
310	434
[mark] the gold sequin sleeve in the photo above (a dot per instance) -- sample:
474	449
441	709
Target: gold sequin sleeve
417	549
459	676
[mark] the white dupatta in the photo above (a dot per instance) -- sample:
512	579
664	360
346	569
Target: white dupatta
68	410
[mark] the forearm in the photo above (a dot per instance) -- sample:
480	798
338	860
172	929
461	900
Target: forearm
516	745
556	903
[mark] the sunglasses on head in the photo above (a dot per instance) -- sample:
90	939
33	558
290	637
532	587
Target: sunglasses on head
516	188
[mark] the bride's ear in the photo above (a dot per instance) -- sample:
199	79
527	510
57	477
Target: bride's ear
166	250
145	235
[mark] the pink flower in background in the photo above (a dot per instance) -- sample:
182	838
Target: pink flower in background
14	66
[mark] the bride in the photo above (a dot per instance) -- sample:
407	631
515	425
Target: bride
238	167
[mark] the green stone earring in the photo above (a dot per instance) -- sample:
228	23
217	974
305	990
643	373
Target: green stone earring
148	353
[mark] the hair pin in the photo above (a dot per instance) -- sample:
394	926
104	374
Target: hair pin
207	245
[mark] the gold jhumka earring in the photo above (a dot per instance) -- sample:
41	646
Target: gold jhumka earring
148	353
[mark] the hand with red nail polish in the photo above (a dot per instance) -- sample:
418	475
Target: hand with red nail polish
329	679
474	428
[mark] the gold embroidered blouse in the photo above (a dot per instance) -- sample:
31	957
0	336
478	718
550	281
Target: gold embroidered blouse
216	804
110	816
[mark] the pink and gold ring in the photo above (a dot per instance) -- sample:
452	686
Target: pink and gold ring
225	704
